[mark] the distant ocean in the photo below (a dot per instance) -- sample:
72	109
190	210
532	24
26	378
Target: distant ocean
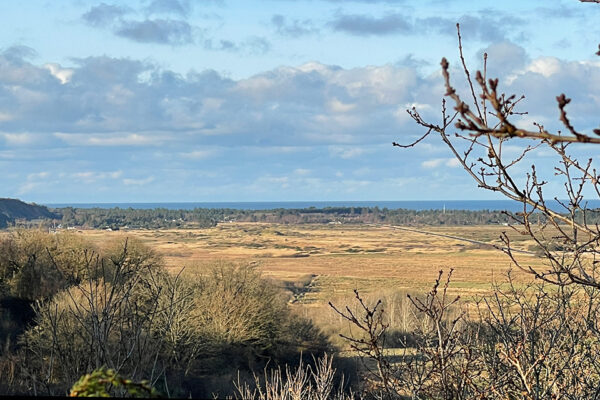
472	205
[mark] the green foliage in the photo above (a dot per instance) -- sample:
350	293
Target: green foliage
118	218
101	381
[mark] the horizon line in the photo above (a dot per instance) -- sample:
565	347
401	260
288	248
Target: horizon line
268	201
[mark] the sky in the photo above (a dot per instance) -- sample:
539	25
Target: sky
272	100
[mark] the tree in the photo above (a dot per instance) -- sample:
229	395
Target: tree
535	342
485	128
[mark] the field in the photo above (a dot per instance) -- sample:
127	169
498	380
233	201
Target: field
318	264
324	262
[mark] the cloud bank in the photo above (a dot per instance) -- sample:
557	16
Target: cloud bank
129	129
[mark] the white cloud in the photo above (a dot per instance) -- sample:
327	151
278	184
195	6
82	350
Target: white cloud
365	171
112	139
434	163
279	179
64	75
17	139
287	106
119	95
313	116
94	176
256	84
546	66
27	187
212	103
337	106
353	185
138	182
275	150
6	116
346	152
198	154
38	175
34	181
302	171
452	163
439	162
339	121
84	175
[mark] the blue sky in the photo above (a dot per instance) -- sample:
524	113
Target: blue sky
273	100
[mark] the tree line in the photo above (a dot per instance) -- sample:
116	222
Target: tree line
119	218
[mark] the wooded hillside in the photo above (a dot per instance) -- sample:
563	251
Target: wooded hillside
13	209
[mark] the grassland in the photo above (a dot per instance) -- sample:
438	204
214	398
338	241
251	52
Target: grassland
324	262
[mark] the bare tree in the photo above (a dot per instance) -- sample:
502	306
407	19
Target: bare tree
107	321
569	237
535	342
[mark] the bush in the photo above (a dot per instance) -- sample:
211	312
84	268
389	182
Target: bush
239	308
34	265
99	382
104	321
183	333
231	319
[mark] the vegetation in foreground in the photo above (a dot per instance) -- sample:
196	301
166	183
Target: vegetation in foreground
119	309
536	342
231	332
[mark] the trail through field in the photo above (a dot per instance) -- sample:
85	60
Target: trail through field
478	242
370	258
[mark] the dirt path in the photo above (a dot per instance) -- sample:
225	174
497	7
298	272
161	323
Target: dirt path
478	242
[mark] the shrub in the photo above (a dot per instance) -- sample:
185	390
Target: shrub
184	333
99	382
35	265
231	319
104	321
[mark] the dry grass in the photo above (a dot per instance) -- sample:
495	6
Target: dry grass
339	257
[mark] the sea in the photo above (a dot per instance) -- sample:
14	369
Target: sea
418	205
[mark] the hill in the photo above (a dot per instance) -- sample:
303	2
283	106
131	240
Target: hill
13	209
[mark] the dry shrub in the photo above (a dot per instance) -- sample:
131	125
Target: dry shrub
534	342
238	307
106	321
130	257
176	321
307	382
236	320
120	309
35	265
400	317
184	333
